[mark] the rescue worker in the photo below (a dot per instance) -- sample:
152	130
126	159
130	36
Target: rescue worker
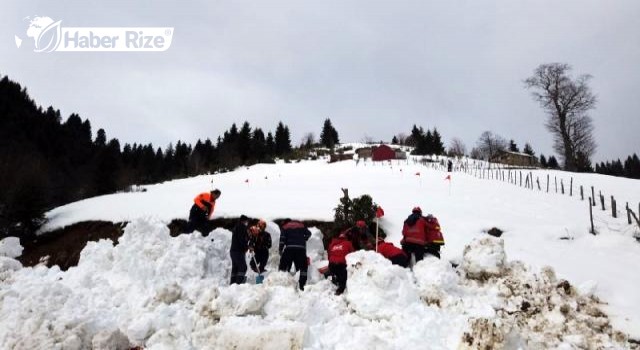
393	253
339	247
238	251
359	236
202	211
293	248
435	239
259	243
414	234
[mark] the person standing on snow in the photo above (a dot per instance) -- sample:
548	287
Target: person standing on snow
338	249
260	243
293	248
434	236
202	211
238	251
414	234
393	253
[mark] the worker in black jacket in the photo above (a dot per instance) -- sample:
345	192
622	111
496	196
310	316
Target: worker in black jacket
238	251
260	243
293	248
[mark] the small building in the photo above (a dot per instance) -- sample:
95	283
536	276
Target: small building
365	152
515	159
400	154
337	157
383	152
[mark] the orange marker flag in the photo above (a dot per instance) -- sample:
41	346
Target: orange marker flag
448	177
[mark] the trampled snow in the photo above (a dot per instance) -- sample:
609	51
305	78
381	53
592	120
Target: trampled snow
164	292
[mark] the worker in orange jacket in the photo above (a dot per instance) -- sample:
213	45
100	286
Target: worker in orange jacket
202	211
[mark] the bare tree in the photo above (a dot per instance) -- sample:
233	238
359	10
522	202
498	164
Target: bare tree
457	148
308	140
367	139
402	138
490	145
566	101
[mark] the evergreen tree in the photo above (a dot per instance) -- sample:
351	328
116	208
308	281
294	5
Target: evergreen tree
513	147
244	142
426	146
394	140
282	140
270	145
528	149
438	146
101	138
258	145
329	135
543	161
552	163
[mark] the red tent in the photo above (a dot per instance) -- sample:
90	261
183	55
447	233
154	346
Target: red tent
383	152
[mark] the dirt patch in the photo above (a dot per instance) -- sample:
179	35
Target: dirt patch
62	247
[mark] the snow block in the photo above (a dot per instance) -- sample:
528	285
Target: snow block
484	258
436	280
113	340
251	333
239	300
376	289
10	247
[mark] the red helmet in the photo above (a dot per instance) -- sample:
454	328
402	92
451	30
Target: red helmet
361	224
416	210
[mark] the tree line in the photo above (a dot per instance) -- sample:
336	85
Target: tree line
46	162
630	168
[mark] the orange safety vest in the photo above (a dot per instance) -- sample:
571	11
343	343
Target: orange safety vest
203	198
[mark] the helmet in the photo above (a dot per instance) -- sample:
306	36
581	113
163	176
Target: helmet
416	210
262	225
361	224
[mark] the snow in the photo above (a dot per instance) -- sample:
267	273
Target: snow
168	292
164	292
10	247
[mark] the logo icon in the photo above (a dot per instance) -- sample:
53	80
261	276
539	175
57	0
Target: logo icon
49	36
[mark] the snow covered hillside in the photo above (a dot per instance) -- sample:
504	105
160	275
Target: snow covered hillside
162	292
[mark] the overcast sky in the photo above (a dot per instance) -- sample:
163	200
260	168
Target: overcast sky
374	67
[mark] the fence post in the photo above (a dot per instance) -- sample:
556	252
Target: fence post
602	200
613	207
547	183
593	231
531	177
562	185
581	193
593	195
628	214
538	181
521	178
571	188
556	181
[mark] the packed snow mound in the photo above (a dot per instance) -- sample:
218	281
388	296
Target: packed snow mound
160	292
10	247
484	257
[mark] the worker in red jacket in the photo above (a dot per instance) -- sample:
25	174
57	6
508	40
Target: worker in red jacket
414	234
360	236
393	253
435	239
338	249
202	211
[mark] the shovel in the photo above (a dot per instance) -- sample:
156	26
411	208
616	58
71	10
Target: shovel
259	277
